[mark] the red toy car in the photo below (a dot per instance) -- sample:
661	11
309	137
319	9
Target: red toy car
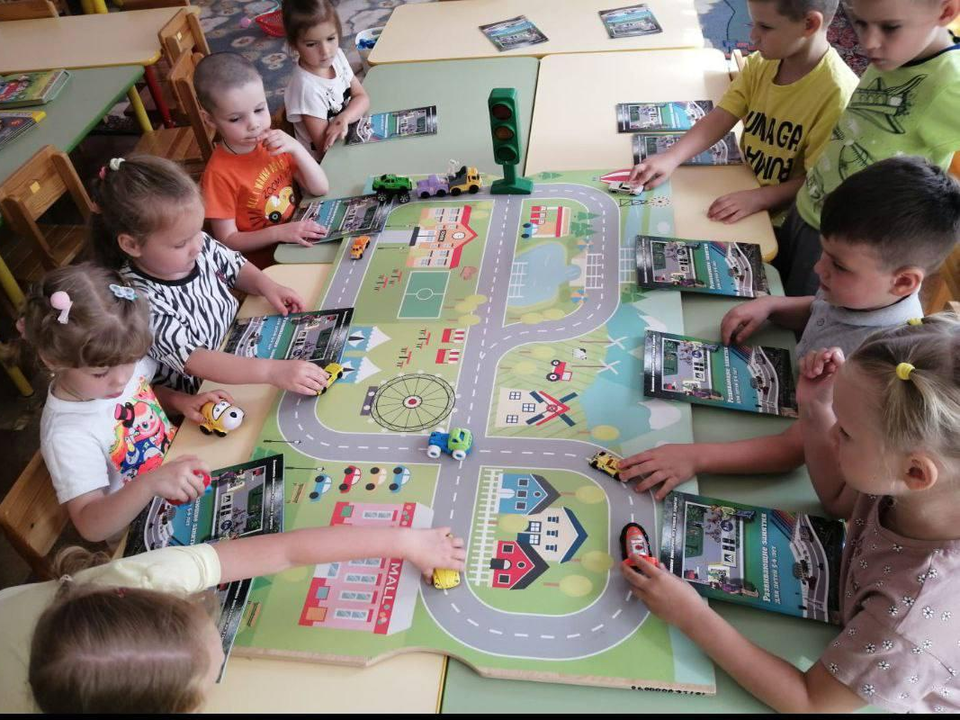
351	476
635	546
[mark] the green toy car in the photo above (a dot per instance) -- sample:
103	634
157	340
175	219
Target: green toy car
388	185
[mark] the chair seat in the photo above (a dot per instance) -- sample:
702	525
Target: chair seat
178	144
22	256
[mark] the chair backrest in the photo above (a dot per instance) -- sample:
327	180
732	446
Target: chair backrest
182	35
27	10
31	516
279	121
943	287
181	78
153	4
737	57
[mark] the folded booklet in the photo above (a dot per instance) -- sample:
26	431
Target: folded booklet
723	152
394	124
356	215
716	268
675	116
317	336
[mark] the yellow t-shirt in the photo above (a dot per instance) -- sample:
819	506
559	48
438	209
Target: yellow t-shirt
785	127
183	570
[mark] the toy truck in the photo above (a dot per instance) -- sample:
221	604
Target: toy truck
388	186
457	443
432	186
635	546
466	178
606	462
359	246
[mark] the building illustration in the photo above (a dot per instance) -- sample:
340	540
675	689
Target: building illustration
555	534
531	407
439	239
516	565
524	494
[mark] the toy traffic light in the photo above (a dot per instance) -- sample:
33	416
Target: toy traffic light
505	129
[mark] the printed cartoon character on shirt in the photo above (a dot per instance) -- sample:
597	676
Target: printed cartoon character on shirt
278	205
271	200
143	434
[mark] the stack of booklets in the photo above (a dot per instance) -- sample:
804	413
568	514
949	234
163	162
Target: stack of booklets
13	123
33	88
661	124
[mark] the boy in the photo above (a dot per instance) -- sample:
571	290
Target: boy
907	103
789	96
875	257
248	183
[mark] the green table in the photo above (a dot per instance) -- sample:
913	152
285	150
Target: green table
799	641
459	89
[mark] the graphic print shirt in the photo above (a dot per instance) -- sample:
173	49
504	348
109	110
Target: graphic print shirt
324	98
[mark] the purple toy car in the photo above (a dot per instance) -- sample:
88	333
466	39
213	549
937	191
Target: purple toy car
433	185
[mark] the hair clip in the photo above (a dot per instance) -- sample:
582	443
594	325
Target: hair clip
915	321
123	292
115	163
61	301
65	579
904	369
121	592
103	172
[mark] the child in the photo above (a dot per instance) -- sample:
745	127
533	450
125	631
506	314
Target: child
248	185
102	424
150	225
789	96
906	104
323	96
134	636
895	427
875	256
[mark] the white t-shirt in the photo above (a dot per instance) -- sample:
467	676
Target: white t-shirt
183	570
105	443
309	94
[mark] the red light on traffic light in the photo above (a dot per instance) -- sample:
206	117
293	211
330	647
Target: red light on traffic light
501	111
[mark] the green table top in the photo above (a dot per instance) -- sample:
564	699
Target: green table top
459	89
85	99
796	640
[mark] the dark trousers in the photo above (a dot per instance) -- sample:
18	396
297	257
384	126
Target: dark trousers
799	250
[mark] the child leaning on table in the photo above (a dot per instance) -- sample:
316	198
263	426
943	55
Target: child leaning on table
137	636
789	96
249	184
892	415
104	430
876	254
150	225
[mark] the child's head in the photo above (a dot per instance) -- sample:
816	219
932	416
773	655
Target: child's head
103	649
897	402
232	98
894	32
313	30
781	28
150	212
88	327
884	229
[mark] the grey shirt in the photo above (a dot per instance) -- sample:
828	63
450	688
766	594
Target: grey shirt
833	326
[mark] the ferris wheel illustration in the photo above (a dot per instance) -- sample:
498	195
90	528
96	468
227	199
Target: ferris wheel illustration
409	403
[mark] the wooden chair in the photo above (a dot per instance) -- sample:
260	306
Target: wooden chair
27	10
191	145
151	4
182	35
31	516
943	287
737	63
24	197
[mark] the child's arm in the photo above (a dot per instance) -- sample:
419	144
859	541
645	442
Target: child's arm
268	554
670	465
337	127
767	677
791	313
297	376
99	515
253	281
313	180
176	403
736	206
300	232
655	170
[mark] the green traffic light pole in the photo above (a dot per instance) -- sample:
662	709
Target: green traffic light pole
505	132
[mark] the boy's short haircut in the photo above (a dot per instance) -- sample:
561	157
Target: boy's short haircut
906	208
797	10
219	72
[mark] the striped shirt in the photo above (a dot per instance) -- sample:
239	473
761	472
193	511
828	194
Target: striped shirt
190	313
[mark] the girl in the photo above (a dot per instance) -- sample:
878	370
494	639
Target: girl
150	226
323	96
102	425
895	417
133	636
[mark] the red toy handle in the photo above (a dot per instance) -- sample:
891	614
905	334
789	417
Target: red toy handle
206	488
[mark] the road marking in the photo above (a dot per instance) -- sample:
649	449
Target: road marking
629	596
596	628
451	514
403	448
343	447
630	498
363	447
299	427
311	437
578	324
471	407
475	624
548	637
495	632
474	393
486	451
506	452
325	444
572	636
549	453
526	452
520	635
617	613
455	495
632	518
469	417
296	414
569	455
455	608
382	447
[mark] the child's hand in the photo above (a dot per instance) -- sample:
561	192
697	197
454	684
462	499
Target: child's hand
298	376
740	323
653	171
277	142
667	596
433	548
735	206
283	299
818	371
302	232
667	465
336	130
189	405
178	480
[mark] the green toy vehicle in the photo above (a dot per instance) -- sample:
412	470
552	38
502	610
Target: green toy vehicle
388	185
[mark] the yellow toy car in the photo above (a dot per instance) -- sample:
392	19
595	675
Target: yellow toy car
220	418
335	371
610	464
359	246
444	579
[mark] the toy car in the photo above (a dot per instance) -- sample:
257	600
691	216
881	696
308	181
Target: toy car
335	371
207	487
321	486
624	188
401	476
559	371
466	178
635	546
610	464
457	443
220	418
359	246
351	476
434	185
388	185
444	579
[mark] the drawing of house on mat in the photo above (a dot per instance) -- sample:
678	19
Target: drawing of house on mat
524	494
516	406
375	595
439	239
556	534
516	565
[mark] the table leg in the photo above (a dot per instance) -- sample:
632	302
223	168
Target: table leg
87	6
157	94
99	6
18	379
137	104
9	285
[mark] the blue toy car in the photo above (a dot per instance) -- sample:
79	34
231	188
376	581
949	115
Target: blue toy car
457	443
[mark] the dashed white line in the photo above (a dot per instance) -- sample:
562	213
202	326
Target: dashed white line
494	631
343	447
451	514
572	636
549	453
594	629
630	498
455	608
617	613
526	452
382	447
403	448
472	622
363	447
299	427
548	637
569	455
524	635
310	437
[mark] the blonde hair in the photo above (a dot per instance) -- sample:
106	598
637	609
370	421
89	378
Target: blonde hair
137	197
101	329
100	649
924	409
